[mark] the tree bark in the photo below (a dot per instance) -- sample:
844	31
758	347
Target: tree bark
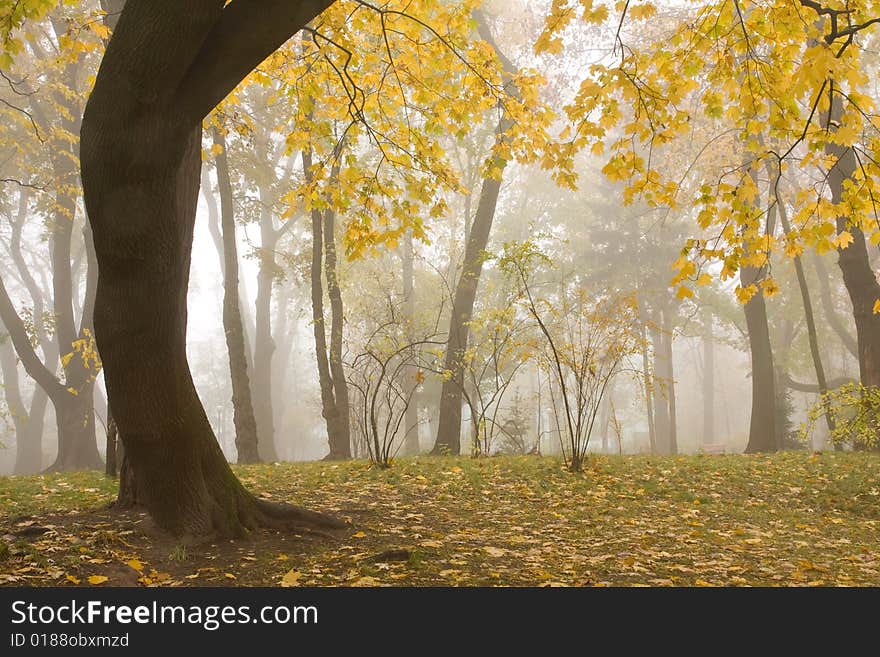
762	425
338	434
831	316
449	421
111	468
246	443
662	421
264	343
342	447
165	68
858	275
812	335
411	445
668	337
708	436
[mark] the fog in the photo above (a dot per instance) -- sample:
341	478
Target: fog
598	256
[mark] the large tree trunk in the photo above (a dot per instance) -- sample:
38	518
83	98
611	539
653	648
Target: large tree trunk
762	425
858	275
242	404
165	67
286	332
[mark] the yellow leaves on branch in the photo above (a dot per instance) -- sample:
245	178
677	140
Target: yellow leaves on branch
694	95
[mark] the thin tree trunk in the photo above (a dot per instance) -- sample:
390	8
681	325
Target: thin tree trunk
286	333
831	316
411	445
246	442
342	448
449	421
264	344
649	390
708	436
111	466
337	434
662	424
28	444
812	335
670	371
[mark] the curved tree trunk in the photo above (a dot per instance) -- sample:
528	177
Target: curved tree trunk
242	403
165	68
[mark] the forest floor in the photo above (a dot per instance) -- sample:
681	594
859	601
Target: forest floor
784	519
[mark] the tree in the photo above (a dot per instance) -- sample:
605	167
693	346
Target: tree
164	70
449	423
246	441
587	340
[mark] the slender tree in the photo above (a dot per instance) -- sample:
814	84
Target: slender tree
242	403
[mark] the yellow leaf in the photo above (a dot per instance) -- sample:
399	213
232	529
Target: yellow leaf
495	552
136	564
844	239
97	579
365	581
358	535
704	279
216	149
431	544
72	579
229	576
291	578
877	307
683	293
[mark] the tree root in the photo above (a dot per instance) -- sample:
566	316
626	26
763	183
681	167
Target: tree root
279	514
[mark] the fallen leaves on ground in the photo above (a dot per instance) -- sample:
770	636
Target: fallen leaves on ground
787	519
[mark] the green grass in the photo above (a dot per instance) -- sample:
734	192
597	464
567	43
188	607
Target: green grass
789	519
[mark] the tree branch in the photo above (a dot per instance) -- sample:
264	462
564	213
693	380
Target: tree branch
247	32
25	350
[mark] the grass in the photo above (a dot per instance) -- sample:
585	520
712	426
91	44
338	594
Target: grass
783	519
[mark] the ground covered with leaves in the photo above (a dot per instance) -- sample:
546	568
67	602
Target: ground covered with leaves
784	519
